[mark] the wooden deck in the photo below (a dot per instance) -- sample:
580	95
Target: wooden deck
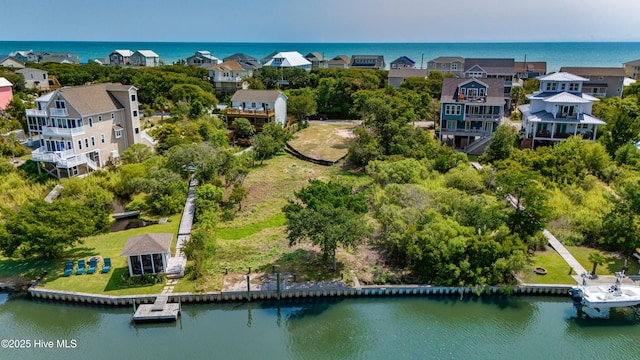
159	311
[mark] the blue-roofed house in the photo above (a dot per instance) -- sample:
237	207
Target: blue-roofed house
559	110
402	62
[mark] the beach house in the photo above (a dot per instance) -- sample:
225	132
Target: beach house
339	62
259	107
248	62
317	60
120	57
447	64
289	59
402	62
397	76
6	93
367	62
229	76
203	58
558	110
496	68
603	81
471	110
529	69
145	58
10	62
632	69
83	128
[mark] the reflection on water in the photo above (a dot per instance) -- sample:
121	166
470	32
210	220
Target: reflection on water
363	328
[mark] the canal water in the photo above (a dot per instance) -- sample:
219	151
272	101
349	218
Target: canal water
355	328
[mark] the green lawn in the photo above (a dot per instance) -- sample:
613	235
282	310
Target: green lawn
106	245
613	262
557	269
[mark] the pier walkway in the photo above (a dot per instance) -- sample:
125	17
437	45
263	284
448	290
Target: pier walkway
564	253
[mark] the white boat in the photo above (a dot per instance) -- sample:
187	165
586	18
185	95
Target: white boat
606	296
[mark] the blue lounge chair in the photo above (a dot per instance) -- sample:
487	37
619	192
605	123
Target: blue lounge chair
68	268
107	265
92	266
81	265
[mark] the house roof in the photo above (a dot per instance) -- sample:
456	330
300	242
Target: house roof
94	99
595	71
530	66
633	63
46	97
403	59
4	58
567	98
266	59
228	65
4	82
543	116
447	59
495	89
543	95
31	70
125	53
491	65
561	76
289	59
340	59
147	244
378	61
405	73
268	96
314	56
240	57
147	53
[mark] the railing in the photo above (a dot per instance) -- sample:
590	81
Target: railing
62	159
227	79
58	112
473	99
467	131
493	117
36	112
56	131
250	112
148	137
601	94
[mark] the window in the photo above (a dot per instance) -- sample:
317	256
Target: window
563	86
60	104
452	109
90	122
118	134
133	97
574	86
551	86
80	144
102	138
135	113
93	141
113	116
137	130
454	66
86	142
99	118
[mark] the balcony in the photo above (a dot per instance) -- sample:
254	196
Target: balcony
465	132
66	132
250	113
494	117
235	79
58	112
471	99
36	112
62	159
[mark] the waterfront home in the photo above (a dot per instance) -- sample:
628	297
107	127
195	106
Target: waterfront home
447	64
558	110
247	62
632	69
268	58
145	58
35	78
317	60
229	76
497	68
203	58
289	59
529	69
84	128
42	57
120	57
259	107
148	253
11	62
398	76
367	62
603	81
402	62
6	93
339	62
471	110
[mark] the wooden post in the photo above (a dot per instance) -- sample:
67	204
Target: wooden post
278	282
248	288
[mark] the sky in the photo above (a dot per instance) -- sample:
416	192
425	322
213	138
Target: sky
320	20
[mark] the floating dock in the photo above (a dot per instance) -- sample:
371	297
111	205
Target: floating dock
159	311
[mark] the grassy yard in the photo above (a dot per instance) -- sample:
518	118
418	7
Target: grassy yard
557	269
613	261
325	141
106	245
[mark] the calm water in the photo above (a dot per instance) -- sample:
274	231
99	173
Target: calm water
556	54
380	328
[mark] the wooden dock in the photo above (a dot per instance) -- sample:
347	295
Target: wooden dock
159	311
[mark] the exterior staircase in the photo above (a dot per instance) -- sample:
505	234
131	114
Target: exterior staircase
478	147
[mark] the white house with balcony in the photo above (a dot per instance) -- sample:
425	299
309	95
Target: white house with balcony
229	76
289	59
559	110
84	128
259	107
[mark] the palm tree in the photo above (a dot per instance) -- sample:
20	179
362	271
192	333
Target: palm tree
596	259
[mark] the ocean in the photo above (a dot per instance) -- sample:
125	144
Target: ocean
556	54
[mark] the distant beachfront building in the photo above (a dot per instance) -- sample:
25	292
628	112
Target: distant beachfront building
471	110
632	69
229	76
246	61
84	128
498	68
603	81
402	62
398	76
289	59
11	62
529	69
558	110
367	62
447	64
120	57
145	58
317	60
38	79
43	57
6	93
339	62
203	58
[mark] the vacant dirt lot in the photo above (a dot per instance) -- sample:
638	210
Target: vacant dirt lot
325	140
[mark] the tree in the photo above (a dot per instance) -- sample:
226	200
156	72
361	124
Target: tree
501	144
597	259
242	128
517	95
302	103
264	146
161	103
328	215
136	153
238	194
